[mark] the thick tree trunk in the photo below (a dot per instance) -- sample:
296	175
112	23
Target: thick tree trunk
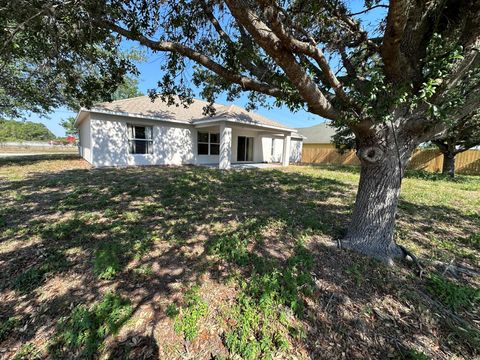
448	164
373	220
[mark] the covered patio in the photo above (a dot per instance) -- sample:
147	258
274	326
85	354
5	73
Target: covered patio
238	144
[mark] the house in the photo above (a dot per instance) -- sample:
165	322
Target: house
318	146
318	134
138	131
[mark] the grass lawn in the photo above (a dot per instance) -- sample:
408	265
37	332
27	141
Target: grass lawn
194	263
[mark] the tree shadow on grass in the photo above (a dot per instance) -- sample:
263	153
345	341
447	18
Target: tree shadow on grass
439	232
104	224
32	159
148	233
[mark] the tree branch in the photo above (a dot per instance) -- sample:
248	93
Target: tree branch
257	70
368	9
167	46
302	47
390	49
264	36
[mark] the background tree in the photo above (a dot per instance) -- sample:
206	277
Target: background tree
68	125
44	65
127	89
460	137
393	87
11	130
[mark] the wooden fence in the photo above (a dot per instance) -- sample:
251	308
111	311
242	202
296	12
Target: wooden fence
431	160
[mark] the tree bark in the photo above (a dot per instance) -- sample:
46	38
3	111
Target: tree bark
373	220
448	164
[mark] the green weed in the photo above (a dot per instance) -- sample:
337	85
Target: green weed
54	261
260	325
172	311
186	321
29	280
106	263
7	326
84	331
28	352
143	271
356	271
453	295
412	355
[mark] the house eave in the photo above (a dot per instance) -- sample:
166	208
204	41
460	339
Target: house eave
79	118
135	116
194	123
237	122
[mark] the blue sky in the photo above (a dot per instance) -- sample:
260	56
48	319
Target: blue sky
150	73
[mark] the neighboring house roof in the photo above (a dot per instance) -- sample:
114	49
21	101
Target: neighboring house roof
143	107
318	134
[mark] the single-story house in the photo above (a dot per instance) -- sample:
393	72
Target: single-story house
137	131
318	134
318	146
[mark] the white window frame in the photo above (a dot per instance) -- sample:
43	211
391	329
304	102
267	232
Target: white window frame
209	143
148	138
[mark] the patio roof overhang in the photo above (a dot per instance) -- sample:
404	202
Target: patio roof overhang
243	124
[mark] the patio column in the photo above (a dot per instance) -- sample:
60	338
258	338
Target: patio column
286	150
225	147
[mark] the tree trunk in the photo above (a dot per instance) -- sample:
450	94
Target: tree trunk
448	164
373	221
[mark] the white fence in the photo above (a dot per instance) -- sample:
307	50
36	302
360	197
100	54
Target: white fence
34	144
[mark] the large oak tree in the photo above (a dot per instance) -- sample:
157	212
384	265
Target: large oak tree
392	87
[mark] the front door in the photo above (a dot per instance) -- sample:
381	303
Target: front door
245	148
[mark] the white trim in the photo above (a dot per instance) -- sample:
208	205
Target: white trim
260	125
137	116
77	121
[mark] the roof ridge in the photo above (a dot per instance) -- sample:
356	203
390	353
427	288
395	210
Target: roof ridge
230	108
325	123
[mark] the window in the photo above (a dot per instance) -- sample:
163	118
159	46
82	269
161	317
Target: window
208	143
140	139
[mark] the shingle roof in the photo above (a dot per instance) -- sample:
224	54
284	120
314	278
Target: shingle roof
318	134
144	107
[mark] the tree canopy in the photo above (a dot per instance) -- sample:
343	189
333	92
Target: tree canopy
49	59
68	125
127	89
11	130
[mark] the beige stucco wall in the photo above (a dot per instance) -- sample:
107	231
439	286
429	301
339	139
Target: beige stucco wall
104	142
172	143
